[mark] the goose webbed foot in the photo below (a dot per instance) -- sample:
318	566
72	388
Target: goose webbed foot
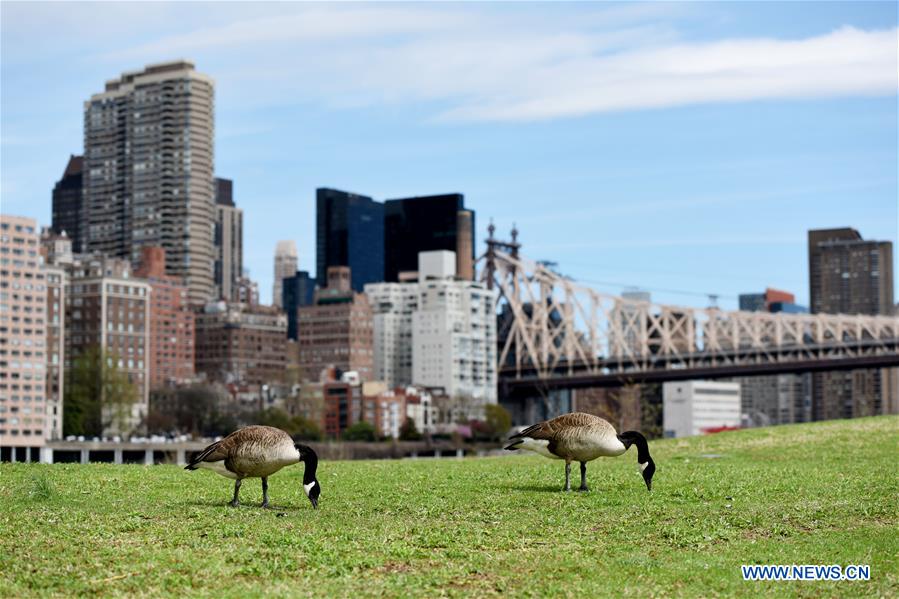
583	488
234	503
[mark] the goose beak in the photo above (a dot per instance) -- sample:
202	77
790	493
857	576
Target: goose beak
314	501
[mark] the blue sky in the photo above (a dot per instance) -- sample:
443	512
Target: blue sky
678	147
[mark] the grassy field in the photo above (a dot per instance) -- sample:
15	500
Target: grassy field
808	494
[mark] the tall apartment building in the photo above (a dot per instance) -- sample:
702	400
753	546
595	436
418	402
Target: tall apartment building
850	275
148	171
23	337
424	224
68	202
57	252
241	344
228	242
285	267
454	333
780	398
108	310
350	233
393	305
336	331
698	407
171	355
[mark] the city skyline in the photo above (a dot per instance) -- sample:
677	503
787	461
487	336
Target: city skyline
710	189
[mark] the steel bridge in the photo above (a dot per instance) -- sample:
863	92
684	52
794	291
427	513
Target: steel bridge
555	333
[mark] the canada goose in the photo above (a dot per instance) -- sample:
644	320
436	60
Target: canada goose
258	452
582	437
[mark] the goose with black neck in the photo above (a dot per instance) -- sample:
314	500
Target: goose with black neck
259	452
582	438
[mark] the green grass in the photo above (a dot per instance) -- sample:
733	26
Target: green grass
807	494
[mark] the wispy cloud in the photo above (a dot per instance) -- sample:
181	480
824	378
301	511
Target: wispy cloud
483	65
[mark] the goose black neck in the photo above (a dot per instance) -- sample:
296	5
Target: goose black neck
310	458
634	438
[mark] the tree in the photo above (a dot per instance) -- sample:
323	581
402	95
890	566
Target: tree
304	429
98	395
498	421
274	417
409	432
361	431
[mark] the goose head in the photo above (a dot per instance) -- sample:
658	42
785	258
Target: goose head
648	468
311	486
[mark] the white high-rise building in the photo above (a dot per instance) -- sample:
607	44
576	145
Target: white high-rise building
285	266
697	407
454	333
392	306
437	332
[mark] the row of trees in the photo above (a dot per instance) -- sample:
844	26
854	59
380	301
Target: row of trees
99	396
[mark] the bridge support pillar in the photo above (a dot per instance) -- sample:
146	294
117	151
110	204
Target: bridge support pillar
85	456
460	453
46	455
180	457
436	453
414	455
117	456
148	457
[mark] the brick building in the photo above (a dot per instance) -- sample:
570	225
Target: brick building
109	310
337	330
171	322
237	343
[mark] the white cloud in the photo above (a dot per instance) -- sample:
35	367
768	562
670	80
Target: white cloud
469	62
517	65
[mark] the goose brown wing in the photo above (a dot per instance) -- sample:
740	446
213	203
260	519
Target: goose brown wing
550	428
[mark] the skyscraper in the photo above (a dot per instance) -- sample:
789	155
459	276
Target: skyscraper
148	170
228	241
425	224
849	275
285	266
349	232
68	202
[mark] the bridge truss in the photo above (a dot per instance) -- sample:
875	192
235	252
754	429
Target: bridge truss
558	333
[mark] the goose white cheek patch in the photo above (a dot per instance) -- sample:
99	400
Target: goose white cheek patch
308	488
643	466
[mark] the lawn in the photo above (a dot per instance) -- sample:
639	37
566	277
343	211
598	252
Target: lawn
824	493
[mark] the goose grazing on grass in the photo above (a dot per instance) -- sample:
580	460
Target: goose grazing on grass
582	437
258	452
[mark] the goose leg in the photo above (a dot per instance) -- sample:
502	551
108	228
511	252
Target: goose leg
567	476
264	491
584	477
235	502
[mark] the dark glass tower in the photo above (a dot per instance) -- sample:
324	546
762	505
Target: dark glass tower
349	232
427	223
296	291
68	203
